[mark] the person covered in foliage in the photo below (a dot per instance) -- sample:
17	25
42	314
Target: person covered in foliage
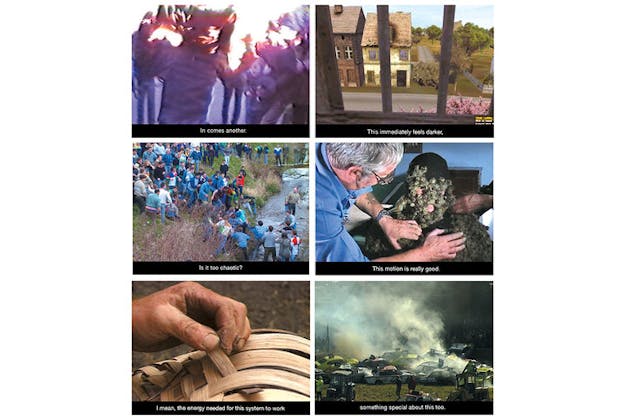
429	199
345	174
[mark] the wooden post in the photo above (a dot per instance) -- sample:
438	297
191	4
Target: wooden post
383	39
445	57
328	91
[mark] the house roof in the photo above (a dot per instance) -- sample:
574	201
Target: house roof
401	25
345	22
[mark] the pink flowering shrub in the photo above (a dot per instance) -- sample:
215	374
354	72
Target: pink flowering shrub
458	105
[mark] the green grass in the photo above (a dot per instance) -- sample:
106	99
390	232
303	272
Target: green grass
481	62
465	88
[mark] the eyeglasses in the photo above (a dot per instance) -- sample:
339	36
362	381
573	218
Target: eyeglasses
385	180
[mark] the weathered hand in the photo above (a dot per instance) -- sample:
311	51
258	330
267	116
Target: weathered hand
192	314
443	247
395	229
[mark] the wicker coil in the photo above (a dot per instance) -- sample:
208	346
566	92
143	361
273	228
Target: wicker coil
274	365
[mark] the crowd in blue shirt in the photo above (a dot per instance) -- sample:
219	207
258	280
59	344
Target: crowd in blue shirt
170	177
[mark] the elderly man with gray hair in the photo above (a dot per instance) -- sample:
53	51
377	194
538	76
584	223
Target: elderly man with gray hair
345	174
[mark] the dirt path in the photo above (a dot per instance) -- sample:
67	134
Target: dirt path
425	55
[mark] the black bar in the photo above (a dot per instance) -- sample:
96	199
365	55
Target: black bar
400	130
403	408
219	267
220	131
220	408
401	269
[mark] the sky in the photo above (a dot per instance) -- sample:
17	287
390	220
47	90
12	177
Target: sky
425	16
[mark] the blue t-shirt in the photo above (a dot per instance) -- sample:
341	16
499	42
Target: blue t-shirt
168	159
241	239
259	230
333	242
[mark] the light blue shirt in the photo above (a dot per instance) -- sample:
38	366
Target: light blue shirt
241	239
333	242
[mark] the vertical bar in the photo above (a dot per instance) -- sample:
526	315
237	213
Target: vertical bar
328	91
445	57
383	39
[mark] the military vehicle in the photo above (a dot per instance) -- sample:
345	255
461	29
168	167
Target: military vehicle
474	383
341	387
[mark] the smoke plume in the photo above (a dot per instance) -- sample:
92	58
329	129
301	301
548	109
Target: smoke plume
373	317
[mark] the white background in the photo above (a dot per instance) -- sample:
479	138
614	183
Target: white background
66	219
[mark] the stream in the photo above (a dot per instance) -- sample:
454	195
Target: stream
272	213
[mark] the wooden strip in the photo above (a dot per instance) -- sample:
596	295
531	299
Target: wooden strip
137	388
186	384
262	377
267	395
277	341
272	331
225	366
220	359
271	358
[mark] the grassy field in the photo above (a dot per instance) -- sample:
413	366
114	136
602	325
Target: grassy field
387	392
481	61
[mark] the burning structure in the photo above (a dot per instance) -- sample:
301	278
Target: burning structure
181	53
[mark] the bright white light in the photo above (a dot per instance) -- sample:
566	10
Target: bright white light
253	18
174	38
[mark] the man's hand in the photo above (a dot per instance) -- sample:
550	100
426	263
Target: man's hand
442	247
395	229
189	313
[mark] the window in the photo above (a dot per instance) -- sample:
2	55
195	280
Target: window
337	52
404	54
370	77
372	54
348	52
350	76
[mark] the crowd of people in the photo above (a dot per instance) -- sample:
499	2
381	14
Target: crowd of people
170	177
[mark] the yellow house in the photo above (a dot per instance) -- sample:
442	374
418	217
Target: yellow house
400	49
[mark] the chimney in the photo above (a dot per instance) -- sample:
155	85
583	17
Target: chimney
338	9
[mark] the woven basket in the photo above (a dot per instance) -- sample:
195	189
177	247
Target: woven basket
274	365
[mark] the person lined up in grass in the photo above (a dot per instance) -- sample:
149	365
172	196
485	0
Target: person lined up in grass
258	232
241	241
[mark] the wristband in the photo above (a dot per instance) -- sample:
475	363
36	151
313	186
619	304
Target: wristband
381	214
